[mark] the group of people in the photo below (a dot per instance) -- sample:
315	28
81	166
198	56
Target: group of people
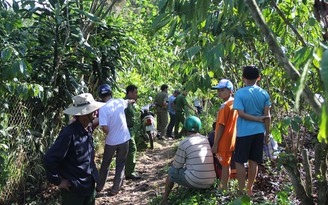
242	125
241	128
176	106
69	163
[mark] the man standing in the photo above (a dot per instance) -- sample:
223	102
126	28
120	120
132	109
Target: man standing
193	163
161	101
69	163
130	112
113	123
171	110
181	109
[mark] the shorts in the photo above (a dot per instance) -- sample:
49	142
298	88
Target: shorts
249	148
224	158
178	176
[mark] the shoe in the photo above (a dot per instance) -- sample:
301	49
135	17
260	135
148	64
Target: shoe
112	193
133	177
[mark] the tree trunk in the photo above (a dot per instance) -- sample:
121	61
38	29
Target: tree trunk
321	152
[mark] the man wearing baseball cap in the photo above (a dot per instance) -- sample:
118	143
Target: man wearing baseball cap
225	130
69	163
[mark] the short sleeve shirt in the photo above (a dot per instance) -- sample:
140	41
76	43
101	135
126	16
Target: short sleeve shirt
227	116
252	100
180	103
112	115
160	99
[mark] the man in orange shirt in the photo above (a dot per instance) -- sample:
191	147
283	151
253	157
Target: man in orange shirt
225	130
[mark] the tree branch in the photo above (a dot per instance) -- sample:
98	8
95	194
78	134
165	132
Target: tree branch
284	62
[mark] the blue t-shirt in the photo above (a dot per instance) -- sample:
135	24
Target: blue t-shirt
171	108
252	100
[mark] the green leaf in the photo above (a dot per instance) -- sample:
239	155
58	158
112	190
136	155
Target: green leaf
323	132
191	52
301	85
6	54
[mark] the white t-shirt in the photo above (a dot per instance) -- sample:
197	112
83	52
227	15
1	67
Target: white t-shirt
112	115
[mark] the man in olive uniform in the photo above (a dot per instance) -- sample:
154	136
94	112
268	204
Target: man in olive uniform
130	113
161	101
181	111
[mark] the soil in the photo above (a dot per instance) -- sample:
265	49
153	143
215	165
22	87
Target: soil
151	167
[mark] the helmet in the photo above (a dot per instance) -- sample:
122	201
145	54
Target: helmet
104	90
192	124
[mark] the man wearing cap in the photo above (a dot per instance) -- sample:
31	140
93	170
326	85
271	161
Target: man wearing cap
171	110
193	162
69	163
225	130
113	123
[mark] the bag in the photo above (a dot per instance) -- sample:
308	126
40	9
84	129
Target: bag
270	150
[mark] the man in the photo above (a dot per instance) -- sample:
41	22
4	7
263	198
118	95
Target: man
171	109
69	163
193	164
161	101
130	112
113	123
181	109
253	124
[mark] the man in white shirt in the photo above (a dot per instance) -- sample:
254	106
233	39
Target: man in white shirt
113	123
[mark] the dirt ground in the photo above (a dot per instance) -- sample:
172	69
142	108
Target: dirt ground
150	166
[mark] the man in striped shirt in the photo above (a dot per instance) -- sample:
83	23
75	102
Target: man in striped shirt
193	164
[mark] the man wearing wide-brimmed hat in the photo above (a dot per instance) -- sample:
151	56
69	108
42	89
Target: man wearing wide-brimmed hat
69	163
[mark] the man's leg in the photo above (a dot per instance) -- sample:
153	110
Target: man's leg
171	125
241	174
224	177
121	154
252	172
168	187
103	172
159	123
130	163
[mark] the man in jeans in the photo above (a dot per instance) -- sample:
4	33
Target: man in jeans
171	109
113	123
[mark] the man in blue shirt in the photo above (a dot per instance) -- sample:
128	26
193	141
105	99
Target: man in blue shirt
171	110
253	106
69	163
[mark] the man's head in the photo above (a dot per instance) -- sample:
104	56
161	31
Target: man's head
184	92
192	124
132	92
104	91
164	87
251	72
176	93
225	88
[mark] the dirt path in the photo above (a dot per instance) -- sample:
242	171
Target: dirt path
150	166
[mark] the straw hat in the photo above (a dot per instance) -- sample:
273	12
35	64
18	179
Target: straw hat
83	104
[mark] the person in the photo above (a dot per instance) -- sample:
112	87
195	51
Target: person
161	101
253	106
225	130
69	163
171	110
113	123
181	108
193	163
130	114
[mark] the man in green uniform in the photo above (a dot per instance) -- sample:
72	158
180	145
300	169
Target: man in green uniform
161	101
181	108
130	113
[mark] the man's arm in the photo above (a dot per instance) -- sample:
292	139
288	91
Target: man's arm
246	116
217	138
105	129
267	122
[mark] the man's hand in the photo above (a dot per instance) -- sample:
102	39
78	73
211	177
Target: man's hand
65	184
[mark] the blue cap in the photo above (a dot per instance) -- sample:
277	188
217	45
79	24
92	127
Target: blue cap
224	83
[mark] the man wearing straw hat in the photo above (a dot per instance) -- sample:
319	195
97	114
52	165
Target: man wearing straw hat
69	163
